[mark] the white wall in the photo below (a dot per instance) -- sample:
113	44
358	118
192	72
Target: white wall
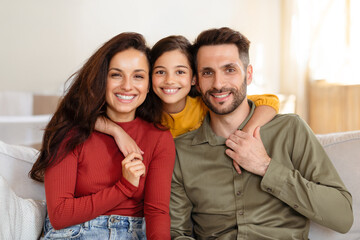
42	42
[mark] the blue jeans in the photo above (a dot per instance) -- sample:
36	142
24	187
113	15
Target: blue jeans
102	227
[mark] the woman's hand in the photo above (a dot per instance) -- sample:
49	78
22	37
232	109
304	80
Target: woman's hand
133	168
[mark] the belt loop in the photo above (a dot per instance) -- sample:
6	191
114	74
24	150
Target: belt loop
109	221
86	225
130	230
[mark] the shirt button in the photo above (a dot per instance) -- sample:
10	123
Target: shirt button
240	212
238	193
296	206
269	189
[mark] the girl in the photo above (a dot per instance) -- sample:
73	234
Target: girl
173	81
92	191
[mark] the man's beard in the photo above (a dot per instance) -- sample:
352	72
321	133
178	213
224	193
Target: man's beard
238	98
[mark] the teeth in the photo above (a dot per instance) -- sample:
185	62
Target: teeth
125	97
170	90
221	96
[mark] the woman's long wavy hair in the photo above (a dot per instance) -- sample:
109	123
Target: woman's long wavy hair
84	102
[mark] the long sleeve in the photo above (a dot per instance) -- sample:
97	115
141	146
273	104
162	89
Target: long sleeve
311	186
180	207
266	99
157	188
65	209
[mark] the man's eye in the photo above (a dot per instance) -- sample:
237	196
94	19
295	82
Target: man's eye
230	70
206	73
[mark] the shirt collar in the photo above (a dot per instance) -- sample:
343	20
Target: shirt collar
205	133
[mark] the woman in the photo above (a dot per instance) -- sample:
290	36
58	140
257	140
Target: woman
92	191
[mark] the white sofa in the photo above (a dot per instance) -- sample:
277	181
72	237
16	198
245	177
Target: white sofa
22	207
26	114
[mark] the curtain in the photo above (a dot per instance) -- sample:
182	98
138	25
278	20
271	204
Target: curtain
319	42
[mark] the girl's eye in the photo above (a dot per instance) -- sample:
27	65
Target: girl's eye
180	72
160	72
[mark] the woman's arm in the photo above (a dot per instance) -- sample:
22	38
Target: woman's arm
157	188
125	143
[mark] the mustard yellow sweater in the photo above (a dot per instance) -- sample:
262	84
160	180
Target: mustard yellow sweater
192	116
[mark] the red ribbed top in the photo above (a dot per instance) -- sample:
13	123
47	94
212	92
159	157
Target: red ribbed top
89	183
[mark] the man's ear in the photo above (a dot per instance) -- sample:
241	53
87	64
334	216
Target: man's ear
249	74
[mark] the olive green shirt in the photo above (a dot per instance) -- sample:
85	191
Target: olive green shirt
210	200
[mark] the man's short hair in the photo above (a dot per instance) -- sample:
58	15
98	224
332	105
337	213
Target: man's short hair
224	35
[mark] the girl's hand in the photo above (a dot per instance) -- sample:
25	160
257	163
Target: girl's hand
133	168
124	142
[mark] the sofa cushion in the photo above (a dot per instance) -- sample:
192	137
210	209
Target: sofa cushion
344	151
20	218
16	162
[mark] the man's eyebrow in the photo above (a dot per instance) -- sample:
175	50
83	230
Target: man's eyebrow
230	65
206	69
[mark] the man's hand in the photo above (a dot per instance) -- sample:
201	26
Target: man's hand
248	151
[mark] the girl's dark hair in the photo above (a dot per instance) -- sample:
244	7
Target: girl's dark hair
84	102
170	43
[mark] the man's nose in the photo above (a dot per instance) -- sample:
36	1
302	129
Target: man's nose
218	81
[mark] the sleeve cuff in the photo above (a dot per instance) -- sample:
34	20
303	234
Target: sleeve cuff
266	99
126	187
274	178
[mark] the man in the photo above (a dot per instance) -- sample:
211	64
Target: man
286	176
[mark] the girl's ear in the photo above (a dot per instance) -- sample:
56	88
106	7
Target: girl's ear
193	81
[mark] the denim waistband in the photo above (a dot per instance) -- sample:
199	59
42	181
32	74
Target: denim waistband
115	221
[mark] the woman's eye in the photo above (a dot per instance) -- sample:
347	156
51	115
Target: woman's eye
139	76
115	75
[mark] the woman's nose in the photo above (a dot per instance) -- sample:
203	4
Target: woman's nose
126	84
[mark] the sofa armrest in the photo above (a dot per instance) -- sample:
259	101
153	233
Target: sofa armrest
343	149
